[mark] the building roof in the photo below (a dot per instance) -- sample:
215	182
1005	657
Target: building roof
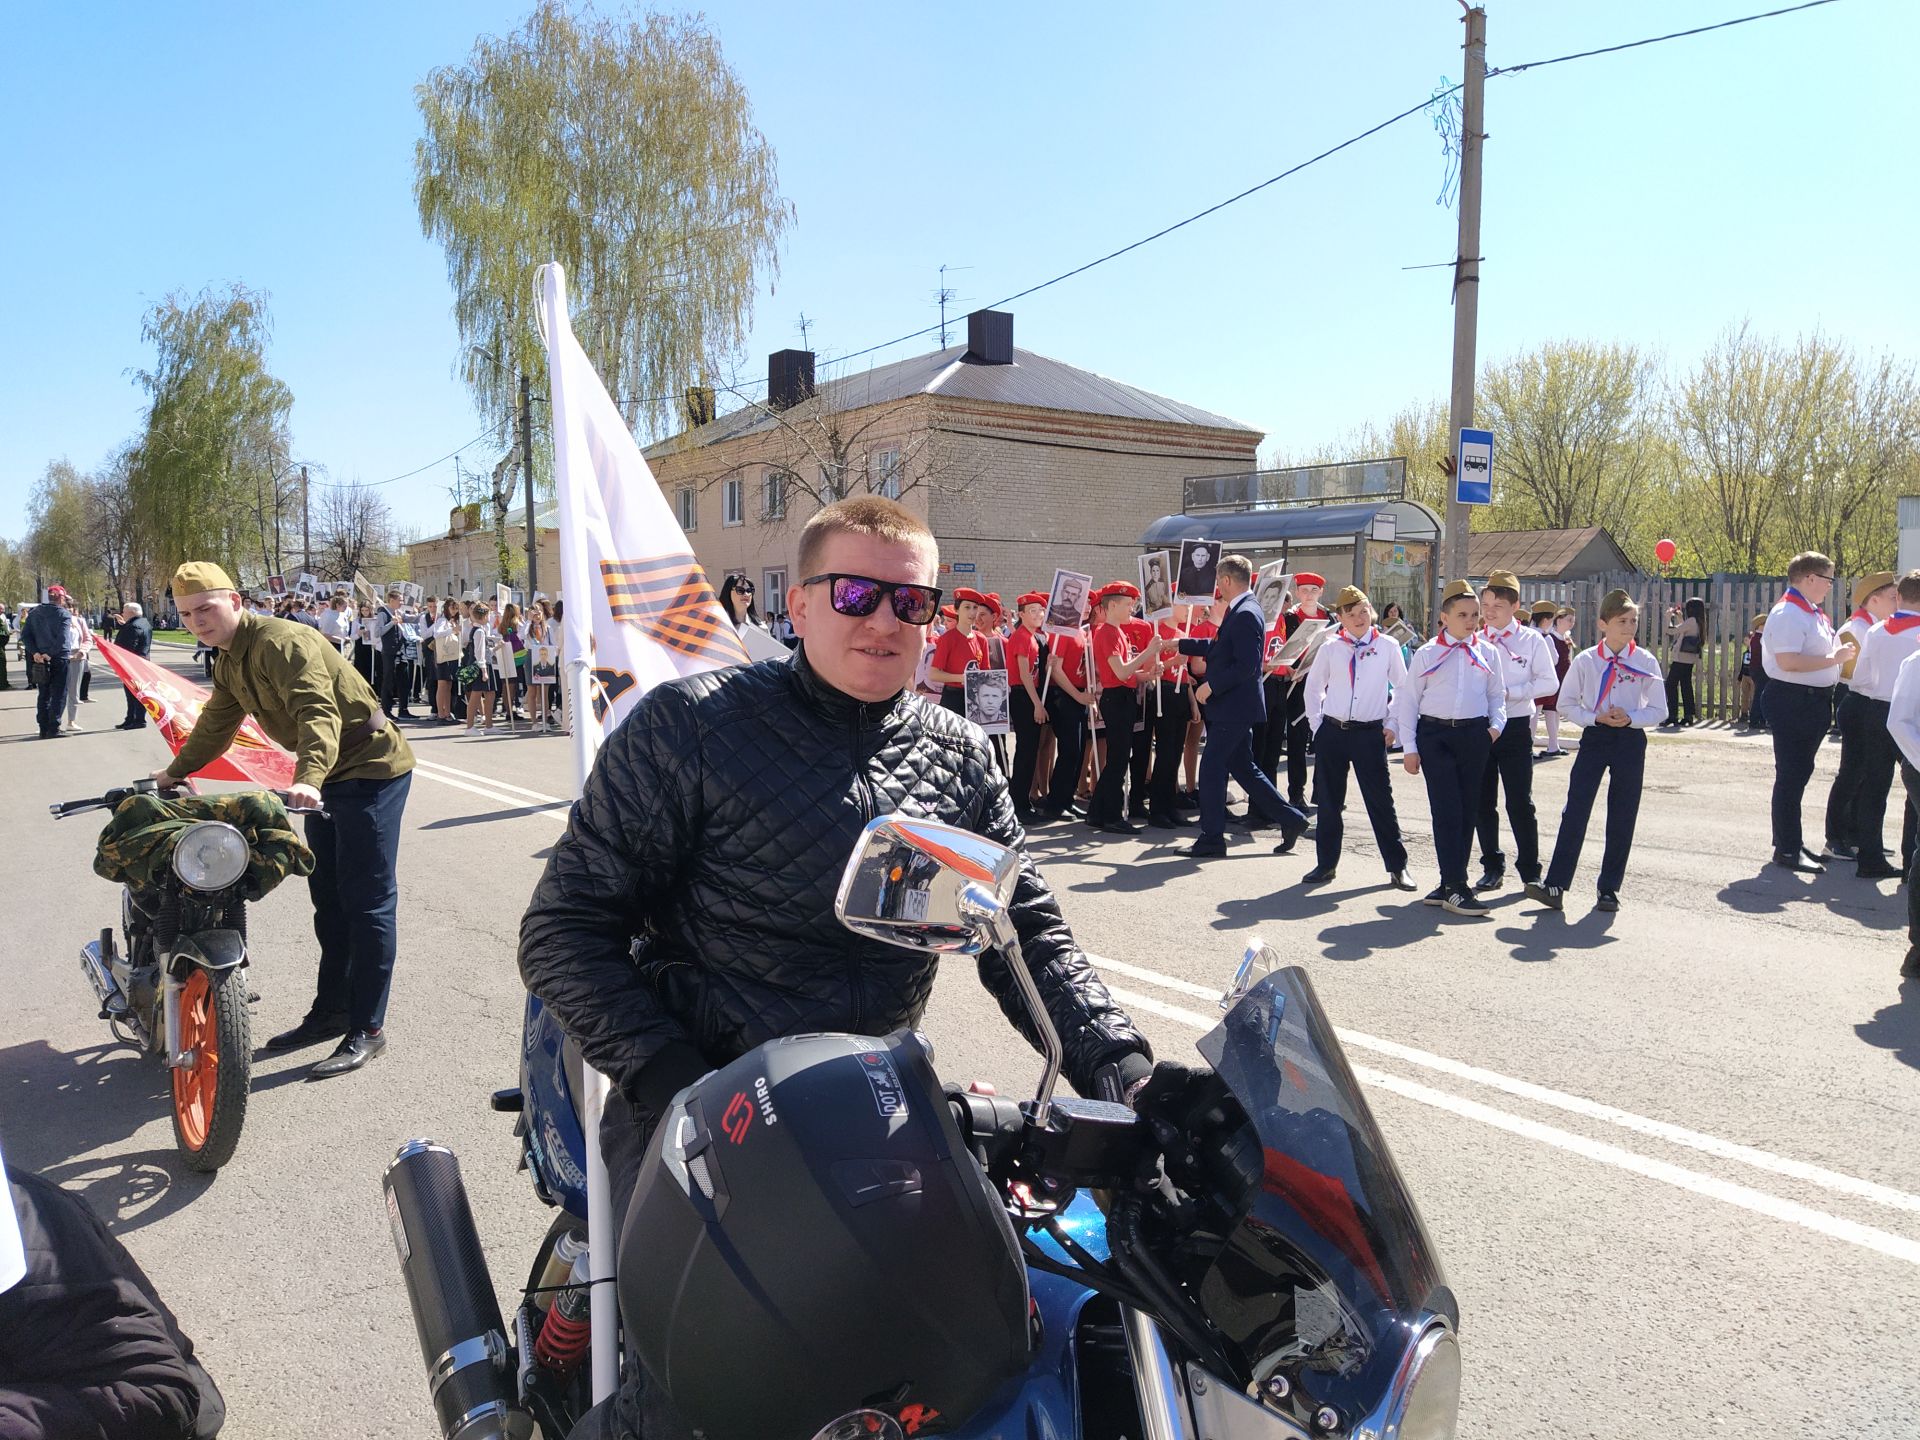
1290	524
1541	554
1034	381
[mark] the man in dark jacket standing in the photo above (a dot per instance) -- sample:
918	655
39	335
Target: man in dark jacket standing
45	636
1235	709
135	636
88	1351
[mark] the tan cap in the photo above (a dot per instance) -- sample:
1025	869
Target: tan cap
1503	580
1867	584
1456	589
1543	608
197	577
1350	595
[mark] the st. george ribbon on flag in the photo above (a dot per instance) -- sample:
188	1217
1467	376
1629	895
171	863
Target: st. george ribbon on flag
174	706
639	612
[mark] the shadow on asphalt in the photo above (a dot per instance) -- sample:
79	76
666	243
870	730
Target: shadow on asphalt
1897	1027
1772	890
61	1105
456	821
1553	933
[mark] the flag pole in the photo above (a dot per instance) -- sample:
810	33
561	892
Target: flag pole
577	637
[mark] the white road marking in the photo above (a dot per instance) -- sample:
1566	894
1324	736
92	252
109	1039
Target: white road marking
439	768
1897	1247
1573	1104
511	801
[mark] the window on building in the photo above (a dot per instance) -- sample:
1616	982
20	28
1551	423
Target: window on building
884	474
733	505
773	494
773	593
689	507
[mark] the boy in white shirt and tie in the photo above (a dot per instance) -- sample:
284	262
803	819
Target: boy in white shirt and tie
1615	693
1448	714
1347	693
1529	673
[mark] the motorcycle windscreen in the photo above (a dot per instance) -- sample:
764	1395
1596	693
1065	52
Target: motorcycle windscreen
1330	1269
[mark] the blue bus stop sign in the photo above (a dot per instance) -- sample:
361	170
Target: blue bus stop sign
1473	468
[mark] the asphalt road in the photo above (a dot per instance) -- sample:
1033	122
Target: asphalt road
1668	1156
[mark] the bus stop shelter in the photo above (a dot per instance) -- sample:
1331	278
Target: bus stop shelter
1351	523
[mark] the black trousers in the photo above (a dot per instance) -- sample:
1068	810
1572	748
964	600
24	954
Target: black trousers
1140	761
1605	750
1069	723
1027	735
1843	798
1361	749
1879	760
1680	696
1270	741
1510	767
393	693
1118	707
136	712
1228	754
1169	749
50	701
1453	758
356	896
1797	719
1910	782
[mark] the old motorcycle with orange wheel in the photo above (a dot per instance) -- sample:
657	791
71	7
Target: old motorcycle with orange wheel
173	979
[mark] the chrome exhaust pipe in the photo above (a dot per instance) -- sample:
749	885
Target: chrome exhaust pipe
456	1317
113	1001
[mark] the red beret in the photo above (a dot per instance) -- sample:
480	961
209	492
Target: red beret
947	612
1032	597
1120	588
1307	577
963	593
992	602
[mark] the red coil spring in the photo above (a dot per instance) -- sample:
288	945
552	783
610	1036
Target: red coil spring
563	1341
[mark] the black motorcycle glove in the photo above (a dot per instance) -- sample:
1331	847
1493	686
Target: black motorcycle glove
1118	1081
1207	1143
675	1067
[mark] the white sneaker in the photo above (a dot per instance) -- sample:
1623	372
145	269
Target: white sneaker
72	726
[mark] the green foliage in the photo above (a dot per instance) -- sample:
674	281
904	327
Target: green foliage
58	537
215	421
625	151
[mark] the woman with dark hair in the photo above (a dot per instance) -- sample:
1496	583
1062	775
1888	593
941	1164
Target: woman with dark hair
736	598
1687	625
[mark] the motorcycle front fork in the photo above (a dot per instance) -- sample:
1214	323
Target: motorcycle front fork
177	1058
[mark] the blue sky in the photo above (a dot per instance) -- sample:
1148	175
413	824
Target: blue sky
1764	172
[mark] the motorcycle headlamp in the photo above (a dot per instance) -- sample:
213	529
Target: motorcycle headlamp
210	855
1426	1399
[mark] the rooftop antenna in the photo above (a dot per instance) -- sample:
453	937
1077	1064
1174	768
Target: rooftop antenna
945	294
805	326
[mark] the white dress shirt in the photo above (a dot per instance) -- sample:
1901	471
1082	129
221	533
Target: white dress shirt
1351	677
336	625
1795	627
1598	679
1449	680
1527	667
1903	715
1881	653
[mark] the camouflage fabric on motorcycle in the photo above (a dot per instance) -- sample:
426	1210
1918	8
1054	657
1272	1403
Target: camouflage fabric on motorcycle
137	844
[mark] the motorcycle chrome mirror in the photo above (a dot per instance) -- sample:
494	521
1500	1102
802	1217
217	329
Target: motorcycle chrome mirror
924	885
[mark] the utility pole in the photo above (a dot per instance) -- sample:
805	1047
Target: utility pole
526	468
306	526
1466	281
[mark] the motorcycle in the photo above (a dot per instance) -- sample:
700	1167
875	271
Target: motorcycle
824	1241
175	981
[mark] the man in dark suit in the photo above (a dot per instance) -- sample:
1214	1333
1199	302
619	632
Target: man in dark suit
1235	709
135	636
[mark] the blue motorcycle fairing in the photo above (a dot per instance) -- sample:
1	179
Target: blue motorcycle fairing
550	1116
1044	1403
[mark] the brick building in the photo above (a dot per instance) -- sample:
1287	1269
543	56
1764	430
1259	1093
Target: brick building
468	555
1020	464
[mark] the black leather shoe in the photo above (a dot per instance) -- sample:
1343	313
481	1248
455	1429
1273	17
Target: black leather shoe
357	1049
1831	851
311	1031
1798	863
1120	827
1289	837
1608	902
1492	878
1877	868
1319	876
1400	880
1203	848
1166	822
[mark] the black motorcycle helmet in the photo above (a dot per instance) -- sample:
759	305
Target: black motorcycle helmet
808	1236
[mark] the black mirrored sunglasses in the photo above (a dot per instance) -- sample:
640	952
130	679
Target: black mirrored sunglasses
860	595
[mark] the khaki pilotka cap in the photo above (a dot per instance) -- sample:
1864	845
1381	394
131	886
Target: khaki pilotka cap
197	577
1867	584
1350	595
1503	580
1543	608
1457	589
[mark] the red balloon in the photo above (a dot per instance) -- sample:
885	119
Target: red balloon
1665	550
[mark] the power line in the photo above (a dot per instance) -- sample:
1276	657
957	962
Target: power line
1252	190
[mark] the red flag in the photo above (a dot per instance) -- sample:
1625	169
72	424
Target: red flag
174	705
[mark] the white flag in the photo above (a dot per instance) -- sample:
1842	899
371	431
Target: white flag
626	568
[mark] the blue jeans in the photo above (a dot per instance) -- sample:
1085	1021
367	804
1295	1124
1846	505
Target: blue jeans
356	896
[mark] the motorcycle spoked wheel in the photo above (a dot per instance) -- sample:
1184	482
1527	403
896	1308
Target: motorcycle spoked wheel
210	1098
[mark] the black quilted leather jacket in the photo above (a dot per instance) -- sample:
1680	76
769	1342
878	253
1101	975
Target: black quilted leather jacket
714	829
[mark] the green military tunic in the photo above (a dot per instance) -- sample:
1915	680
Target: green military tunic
292	680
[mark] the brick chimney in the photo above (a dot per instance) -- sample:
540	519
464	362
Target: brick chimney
990	337
789	378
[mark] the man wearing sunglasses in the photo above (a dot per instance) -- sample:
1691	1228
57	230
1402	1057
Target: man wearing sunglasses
686	915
